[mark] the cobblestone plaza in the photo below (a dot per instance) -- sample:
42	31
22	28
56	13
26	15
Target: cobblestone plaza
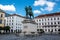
42	37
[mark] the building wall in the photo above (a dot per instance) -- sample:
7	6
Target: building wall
15	23
2	16
48	24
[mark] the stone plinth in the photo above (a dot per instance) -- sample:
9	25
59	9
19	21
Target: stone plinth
29	27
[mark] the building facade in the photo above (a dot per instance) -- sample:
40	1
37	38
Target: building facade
15	22
2	16
50	23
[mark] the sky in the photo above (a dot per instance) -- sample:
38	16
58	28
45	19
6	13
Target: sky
39	7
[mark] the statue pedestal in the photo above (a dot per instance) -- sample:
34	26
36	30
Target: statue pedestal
29	27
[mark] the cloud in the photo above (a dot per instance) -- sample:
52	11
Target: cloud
7	7
36	12
39	2
49	5
48	8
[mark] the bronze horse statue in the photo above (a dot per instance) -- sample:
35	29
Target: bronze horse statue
29	13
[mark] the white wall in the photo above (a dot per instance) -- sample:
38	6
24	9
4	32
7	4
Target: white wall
16	21
47	20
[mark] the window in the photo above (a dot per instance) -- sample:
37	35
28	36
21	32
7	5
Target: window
45	19
7	20
16	27
45	23
54	18
55	26
37	29
12	17
42	19
48	19
42	24
51	18
45	29
55	30
49	30
54	22
37	26
9	24
48	23
51	23
37	23
57	18
39	20
12	20
58	22
52	26
12	23
16	23
1	15
0	21
59	30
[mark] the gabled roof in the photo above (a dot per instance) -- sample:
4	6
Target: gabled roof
47	15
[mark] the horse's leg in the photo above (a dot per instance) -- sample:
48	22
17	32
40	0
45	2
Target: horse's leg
33	16
30	16
27	15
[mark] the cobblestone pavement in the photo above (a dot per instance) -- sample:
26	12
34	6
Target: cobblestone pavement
43	37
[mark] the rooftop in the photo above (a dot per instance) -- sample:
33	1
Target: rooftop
17	15
46	15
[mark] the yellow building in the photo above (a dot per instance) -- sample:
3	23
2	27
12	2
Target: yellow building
2	16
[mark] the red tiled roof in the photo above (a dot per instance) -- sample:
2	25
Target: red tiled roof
46	15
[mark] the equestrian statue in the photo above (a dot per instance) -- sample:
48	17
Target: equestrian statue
29	13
